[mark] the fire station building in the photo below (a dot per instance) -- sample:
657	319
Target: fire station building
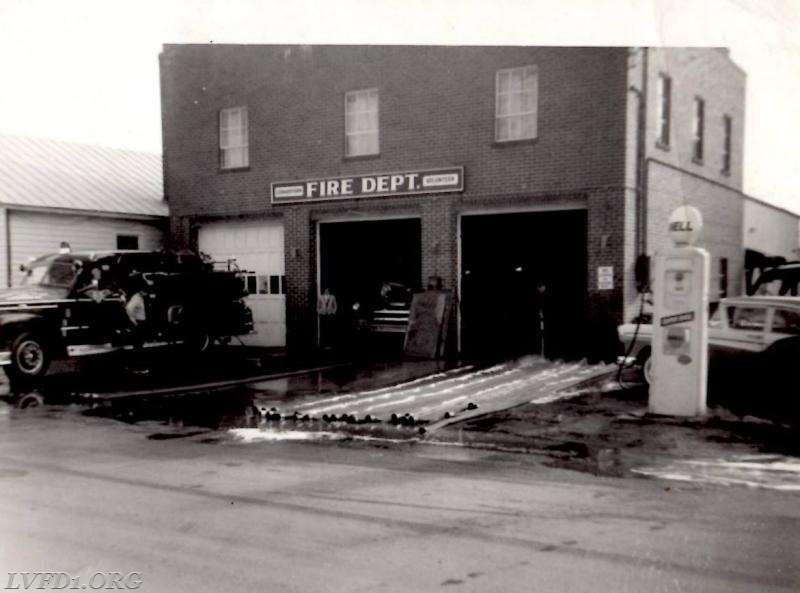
493	171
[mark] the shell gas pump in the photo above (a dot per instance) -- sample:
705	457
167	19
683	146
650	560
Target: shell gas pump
680	320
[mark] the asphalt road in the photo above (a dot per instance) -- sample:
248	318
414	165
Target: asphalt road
83	494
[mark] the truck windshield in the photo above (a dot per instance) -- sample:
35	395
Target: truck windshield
59	274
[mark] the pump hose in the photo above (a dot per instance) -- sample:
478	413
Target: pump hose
621	363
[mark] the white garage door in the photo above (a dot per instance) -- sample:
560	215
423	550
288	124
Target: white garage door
258	249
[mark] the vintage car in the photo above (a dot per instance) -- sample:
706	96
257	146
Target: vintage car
755	339
72	304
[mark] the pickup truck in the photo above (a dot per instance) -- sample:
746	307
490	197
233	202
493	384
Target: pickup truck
73	304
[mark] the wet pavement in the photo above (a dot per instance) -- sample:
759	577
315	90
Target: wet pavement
572	415
408	393
577	488
195	510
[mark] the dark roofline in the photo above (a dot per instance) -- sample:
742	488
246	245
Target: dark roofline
87	212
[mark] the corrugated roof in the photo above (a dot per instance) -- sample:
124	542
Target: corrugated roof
53	174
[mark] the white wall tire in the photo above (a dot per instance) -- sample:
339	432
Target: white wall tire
647	370
29	357
645	362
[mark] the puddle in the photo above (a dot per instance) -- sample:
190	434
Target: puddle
252	435
246	405
165	436
371	400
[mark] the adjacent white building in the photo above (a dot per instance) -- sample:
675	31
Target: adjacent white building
770	230
92	197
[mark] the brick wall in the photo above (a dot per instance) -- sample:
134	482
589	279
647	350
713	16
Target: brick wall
711	75
674	178
722	211
437	110
300	246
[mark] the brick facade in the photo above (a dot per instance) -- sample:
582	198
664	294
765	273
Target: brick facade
436	110
674	178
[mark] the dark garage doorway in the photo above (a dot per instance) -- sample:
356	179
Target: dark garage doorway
504	258
358	258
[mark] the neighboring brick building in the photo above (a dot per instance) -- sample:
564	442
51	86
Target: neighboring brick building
505	167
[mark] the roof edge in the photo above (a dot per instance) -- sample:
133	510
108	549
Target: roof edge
87	212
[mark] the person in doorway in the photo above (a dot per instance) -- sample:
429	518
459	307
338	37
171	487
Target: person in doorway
327	307
541	297
385	292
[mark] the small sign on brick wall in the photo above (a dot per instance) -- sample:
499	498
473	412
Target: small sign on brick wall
605	277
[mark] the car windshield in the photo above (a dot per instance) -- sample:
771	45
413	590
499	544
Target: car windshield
59	274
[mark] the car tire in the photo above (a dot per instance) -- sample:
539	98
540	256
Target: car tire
29	357
645	361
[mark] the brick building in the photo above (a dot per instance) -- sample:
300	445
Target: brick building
494	169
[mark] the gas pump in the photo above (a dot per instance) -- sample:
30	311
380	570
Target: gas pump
680	320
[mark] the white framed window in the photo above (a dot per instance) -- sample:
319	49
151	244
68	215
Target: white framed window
234	150
698	129
664	108
361	128
516	103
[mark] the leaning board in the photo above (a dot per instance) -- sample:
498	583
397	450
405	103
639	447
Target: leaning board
427	320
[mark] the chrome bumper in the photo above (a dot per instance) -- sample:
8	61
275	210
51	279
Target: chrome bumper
5	358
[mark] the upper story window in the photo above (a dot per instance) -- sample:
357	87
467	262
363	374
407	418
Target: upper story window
361	123
516	103
698	128
664	108
234	150
727	130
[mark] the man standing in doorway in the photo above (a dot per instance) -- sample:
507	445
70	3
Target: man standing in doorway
326	309
541	297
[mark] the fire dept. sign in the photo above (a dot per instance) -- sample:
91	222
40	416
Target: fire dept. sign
368	186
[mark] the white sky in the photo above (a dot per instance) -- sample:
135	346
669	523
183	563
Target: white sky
87	70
